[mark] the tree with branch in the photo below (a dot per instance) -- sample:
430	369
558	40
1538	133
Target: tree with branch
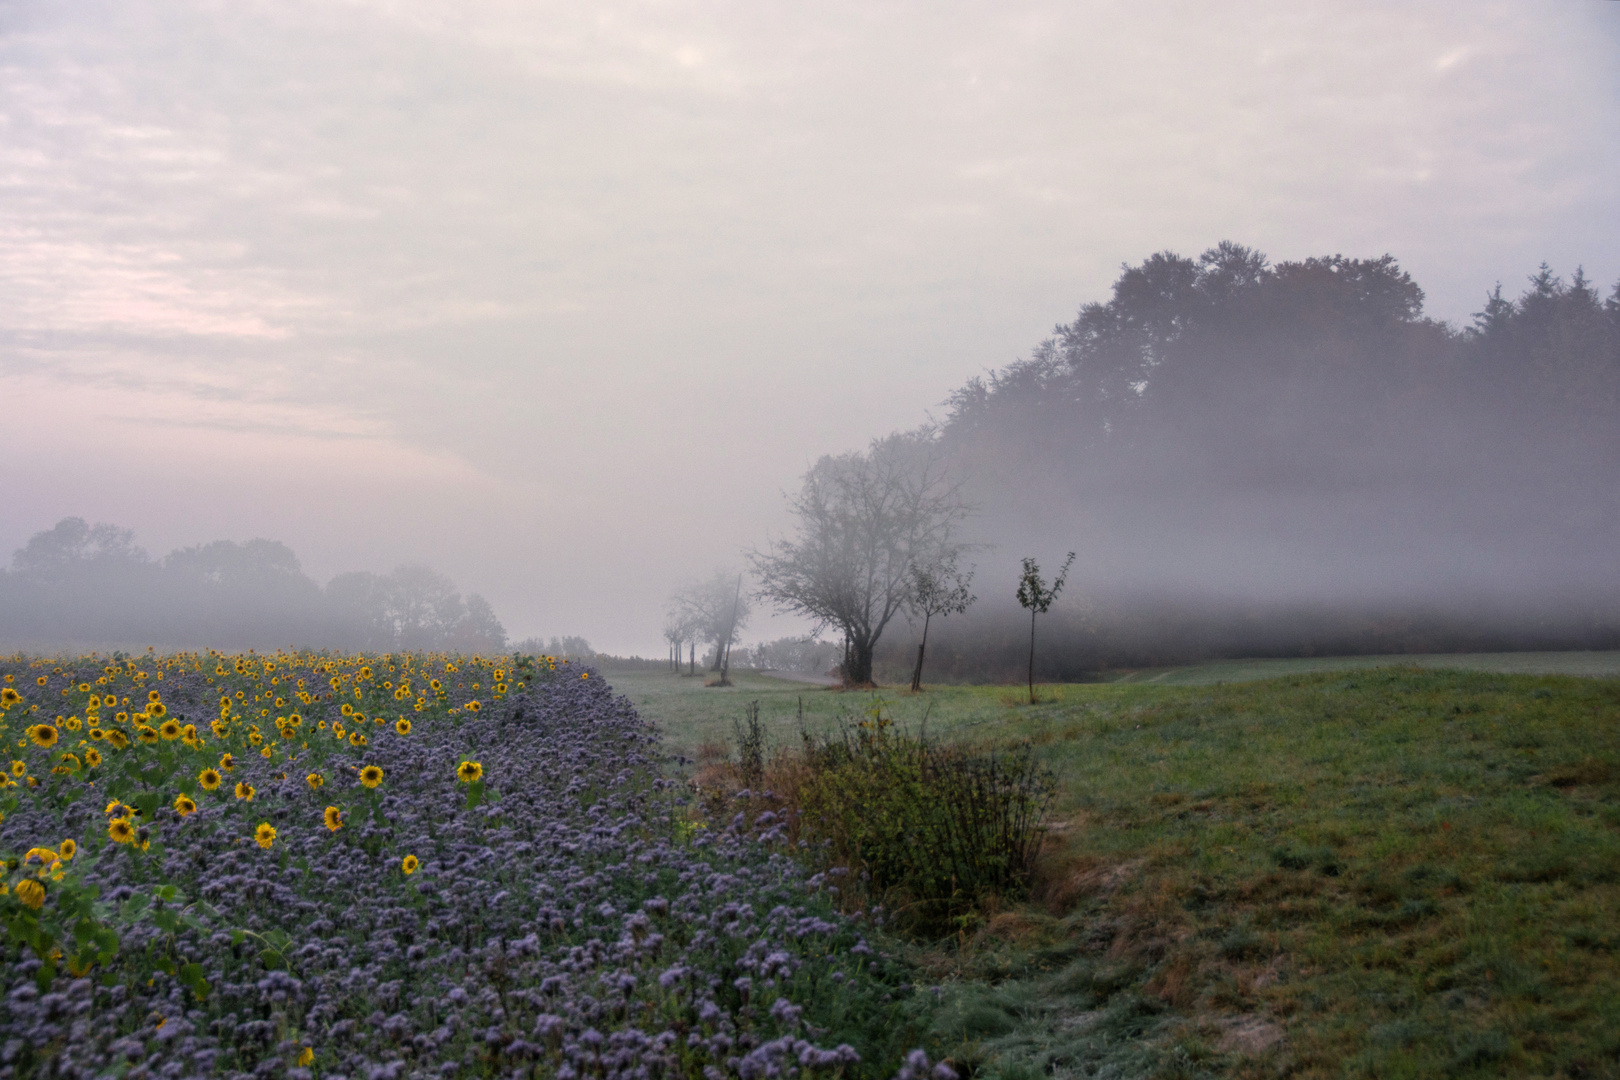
937	589
865	520
1034	594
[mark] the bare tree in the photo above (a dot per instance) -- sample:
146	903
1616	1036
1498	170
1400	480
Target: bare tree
864	521
714	610
1035	595
941	589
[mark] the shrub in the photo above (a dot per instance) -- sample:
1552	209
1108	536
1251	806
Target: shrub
932	830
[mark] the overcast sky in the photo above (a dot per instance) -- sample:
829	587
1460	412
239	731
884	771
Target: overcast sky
560	298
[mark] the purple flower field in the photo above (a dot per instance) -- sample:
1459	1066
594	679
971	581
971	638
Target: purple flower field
563	915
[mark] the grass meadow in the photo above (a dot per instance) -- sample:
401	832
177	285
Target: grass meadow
1262	869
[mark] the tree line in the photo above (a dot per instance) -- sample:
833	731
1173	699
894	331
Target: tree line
1252	459
78	583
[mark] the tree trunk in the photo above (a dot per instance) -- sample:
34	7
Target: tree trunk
858	671
1032	656
691	659
916	676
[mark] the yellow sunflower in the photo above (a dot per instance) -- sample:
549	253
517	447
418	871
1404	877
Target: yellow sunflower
92	757
227	762
244	791
183	805
170	730
371	776
121	831
403	726
469	771
31	893
264	835
409	865
44	735
210	779
333	818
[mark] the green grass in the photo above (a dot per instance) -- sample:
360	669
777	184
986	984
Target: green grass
1378	872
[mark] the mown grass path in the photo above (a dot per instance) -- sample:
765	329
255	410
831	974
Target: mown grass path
1376	872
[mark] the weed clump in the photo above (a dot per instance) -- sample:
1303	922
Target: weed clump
930	830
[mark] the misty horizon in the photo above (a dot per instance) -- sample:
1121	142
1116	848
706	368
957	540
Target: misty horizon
560	302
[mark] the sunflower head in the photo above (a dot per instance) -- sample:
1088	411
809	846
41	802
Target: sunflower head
315	780
9	697
210	779
371	776
118	739
409	864
244	791
146	734
18	768
227	762
356	739
403	726
43	735
156	709
31	893
92	757
170	730
469	771
183	805
473	706
264	835
333	818
67	849
121	831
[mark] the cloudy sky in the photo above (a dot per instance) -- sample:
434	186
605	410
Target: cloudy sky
559	298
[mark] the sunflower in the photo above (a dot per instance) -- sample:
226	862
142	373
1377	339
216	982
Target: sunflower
371	776
121	831
409	865
244	790
71	723
170	730
356	739
121	718
66	850
347	709
18	768
9	697
305	1058
156	709
92	757
43	735
469	771
118	739
436	684
255	738
210	779
403	726
183	805
365	673
333	818
31	893
146	734
69	762
473	706
264	835
152	695
96	734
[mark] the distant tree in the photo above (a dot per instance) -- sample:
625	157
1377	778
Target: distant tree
713	610
479	630
864	521
1034	594
937	589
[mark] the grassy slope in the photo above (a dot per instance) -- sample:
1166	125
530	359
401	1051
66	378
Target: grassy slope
1376	872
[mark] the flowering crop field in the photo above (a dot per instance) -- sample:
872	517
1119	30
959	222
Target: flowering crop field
390	866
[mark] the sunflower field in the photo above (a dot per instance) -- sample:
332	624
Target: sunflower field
305	864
